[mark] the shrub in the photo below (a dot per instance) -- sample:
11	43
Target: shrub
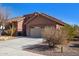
76	27
71	31
55	36
11	30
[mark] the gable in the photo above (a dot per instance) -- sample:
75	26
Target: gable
53	19
40	20
44	16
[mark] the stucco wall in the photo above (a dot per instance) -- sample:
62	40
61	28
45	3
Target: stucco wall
41	21
38	22
19	25
58	26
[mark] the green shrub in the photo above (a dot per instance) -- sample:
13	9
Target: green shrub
76	27
71	31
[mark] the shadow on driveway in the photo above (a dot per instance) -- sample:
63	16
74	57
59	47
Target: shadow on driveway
75	46
36	47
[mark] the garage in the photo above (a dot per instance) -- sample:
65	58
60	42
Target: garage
35	32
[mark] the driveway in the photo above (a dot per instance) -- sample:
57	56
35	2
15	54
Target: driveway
15	47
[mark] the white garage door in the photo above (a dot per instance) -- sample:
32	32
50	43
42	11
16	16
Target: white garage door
35	32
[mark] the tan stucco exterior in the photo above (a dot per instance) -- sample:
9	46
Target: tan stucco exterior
35	26
19	25
32	24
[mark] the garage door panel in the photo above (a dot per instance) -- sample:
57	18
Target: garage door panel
35	32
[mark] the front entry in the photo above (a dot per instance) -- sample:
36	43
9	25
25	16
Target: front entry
35	32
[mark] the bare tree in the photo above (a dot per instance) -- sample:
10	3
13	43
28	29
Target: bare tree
4	16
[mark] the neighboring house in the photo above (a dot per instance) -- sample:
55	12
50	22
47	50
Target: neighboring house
32	24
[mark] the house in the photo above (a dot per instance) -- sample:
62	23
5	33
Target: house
32	24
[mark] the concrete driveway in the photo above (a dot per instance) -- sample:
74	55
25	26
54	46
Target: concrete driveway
15	47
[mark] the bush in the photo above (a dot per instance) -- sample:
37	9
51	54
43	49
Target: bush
54	36
10	31
71	31
76	27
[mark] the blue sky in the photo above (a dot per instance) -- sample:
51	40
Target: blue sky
68	13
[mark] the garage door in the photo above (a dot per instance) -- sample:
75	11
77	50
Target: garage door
35	32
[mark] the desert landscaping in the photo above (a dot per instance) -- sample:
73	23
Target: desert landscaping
37	34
